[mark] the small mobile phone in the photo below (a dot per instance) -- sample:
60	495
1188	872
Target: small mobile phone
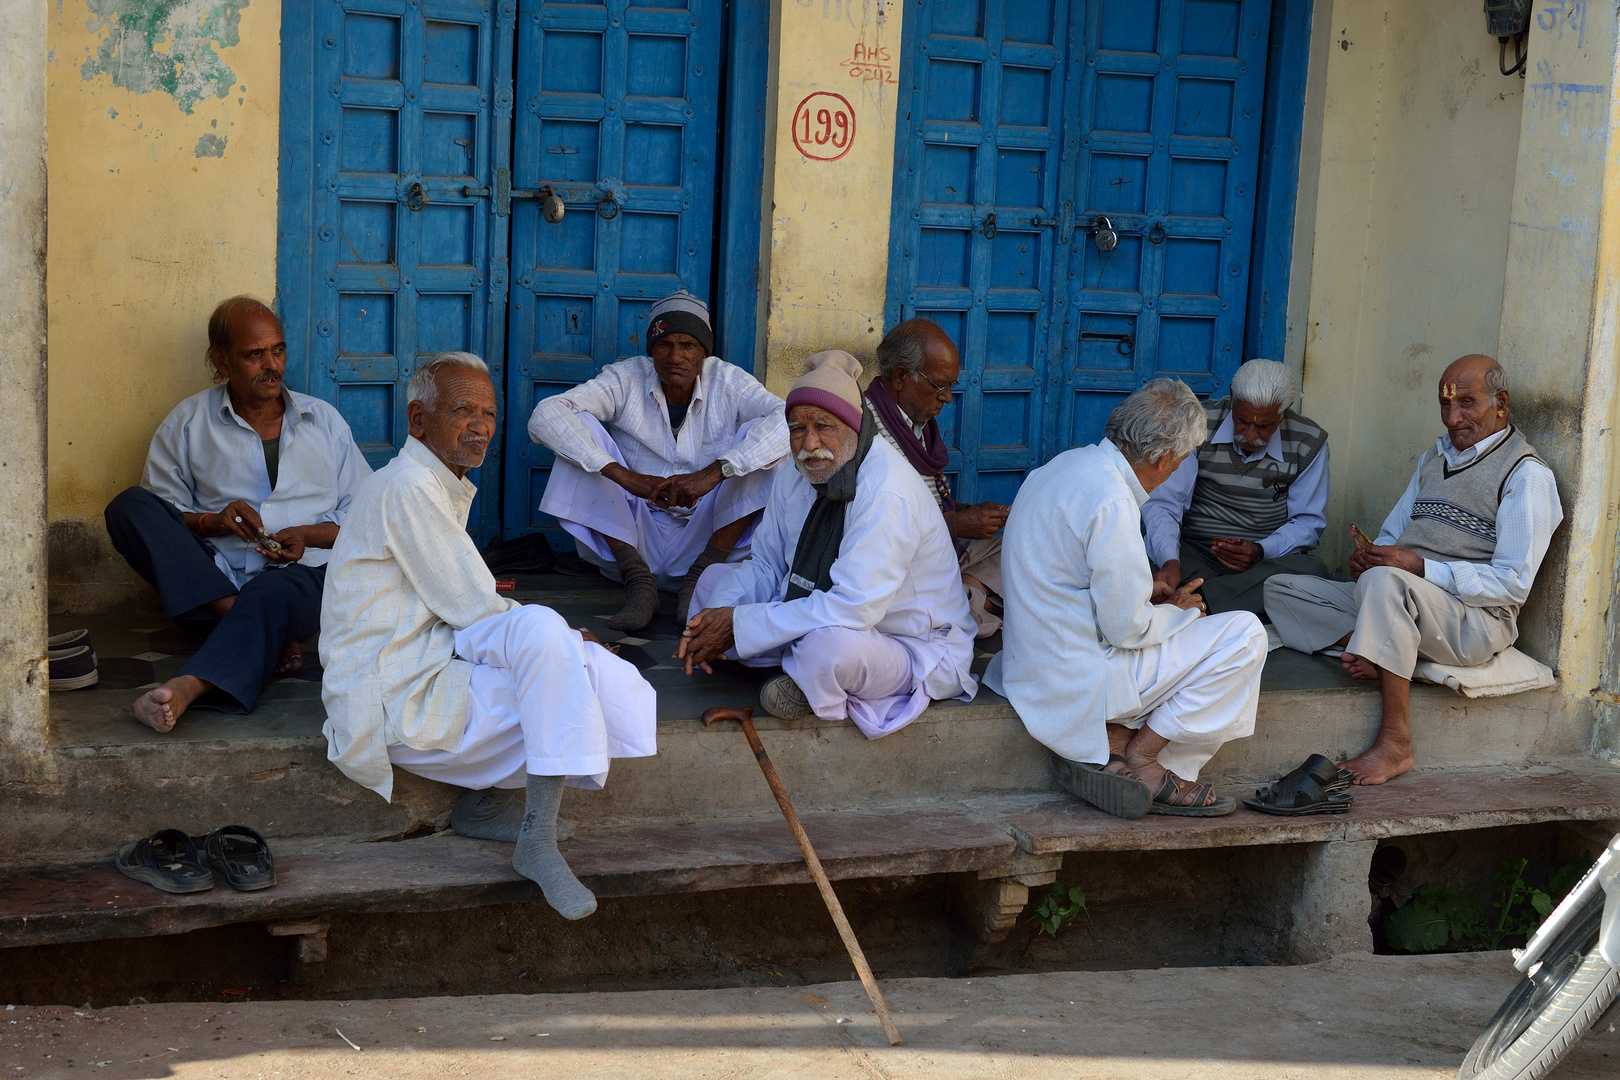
1362	539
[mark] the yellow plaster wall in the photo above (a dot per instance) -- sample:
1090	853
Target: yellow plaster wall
1414	193
829	227
156	214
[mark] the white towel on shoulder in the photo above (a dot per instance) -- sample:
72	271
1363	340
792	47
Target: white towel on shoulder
1508	672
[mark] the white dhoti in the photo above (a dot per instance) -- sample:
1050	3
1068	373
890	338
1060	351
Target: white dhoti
864	675
1199	688
542	702
593	509
1394	618
980	562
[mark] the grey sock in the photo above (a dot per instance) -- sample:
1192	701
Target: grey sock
640	588
491	814
683	599
537	857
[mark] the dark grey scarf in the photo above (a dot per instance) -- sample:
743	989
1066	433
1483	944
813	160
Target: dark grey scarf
823	532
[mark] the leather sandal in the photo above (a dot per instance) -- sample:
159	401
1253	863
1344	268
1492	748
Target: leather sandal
167	860
240	856
1179	798
1121	794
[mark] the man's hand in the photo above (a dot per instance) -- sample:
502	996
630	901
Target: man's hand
980	521
1236	555
1166	581
1187	599
685	489
297	539
707	636
238	519
640	485
1394	555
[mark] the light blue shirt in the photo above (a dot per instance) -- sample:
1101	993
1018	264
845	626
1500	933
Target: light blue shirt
1525	519
204	457
1307	503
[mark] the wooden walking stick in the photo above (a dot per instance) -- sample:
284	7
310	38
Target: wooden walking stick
834	908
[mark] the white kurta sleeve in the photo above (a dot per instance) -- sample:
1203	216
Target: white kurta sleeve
767	443
437	557
1122	580
555	421
872	564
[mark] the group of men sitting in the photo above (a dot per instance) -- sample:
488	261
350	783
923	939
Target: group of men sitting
818	535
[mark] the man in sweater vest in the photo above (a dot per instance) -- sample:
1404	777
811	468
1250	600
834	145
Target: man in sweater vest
1250	503
1450	568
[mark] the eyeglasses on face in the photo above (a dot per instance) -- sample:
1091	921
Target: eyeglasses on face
947	390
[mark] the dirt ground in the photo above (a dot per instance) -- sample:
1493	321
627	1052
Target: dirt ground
1369	1016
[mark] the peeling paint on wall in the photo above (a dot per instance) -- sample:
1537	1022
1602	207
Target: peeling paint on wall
167	45
211	146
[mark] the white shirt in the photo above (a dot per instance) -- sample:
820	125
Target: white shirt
1307	502
896	573
1076	585
1525	520
404	578
629	401
204	457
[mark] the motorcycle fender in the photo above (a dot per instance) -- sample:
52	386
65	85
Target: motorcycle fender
1609	935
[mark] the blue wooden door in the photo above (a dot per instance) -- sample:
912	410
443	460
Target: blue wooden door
618	116
1021	123
1168	126
411	120
976	197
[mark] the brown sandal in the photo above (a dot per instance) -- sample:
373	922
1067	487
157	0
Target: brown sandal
1179	798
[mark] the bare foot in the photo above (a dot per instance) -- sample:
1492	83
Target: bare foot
159	709
1357	668
291	660
1384	760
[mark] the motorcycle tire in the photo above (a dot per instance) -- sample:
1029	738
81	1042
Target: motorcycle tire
1547	1014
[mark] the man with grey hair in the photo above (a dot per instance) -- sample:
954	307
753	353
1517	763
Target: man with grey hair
245	488
1251	503
1449	570
1132	694
430	669
918	366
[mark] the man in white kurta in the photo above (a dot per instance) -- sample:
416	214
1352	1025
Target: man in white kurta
664	461
429	668
892	631
1088	661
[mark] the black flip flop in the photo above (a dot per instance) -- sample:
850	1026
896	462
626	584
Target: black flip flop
1316	787
1170	787
168	861
1119	794
241	857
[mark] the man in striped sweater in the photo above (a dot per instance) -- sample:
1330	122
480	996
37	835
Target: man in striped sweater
1249	503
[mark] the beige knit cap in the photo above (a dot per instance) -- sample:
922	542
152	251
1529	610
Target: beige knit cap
831	381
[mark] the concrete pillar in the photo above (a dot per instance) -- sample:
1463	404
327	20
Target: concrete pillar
1560	315
23	676
1330	910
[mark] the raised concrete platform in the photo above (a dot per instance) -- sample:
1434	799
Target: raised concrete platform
116	780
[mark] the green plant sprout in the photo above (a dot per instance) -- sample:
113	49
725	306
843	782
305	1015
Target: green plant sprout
1061	903
1439	915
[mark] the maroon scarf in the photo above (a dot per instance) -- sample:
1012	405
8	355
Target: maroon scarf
928	455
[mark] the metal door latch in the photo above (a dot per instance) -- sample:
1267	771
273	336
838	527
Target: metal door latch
415	198
1125	343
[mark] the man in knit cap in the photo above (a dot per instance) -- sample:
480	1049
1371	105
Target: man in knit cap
917	369
1249	503
853	585
664	461
1450	568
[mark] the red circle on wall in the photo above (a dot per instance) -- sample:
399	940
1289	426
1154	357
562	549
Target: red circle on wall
824	126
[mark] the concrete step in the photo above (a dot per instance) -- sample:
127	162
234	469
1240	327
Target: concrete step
1011	837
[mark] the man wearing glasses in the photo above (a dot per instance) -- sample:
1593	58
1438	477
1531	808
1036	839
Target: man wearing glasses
917	370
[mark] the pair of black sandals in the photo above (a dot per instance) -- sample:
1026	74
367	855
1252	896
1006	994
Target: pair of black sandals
176	863
1317	787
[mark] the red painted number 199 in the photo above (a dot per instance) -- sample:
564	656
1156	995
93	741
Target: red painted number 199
824	126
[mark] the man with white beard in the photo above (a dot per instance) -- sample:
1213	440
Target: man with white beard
853	586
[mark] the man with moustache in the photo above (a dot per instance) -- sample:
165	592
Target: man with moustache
917	370
1449	570
430	669
246	485
1249	503
853	585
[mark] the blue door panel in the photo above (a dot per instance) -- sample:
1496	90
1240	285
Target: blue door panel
1021	124
404	137
618	116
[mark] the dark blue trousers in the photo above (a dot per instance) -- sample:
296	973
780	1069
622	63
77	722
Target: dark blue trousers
276	607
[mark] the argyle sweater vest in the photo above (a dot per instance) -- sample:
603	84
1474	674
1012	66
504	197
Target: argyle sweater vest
1454	515
1246	500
